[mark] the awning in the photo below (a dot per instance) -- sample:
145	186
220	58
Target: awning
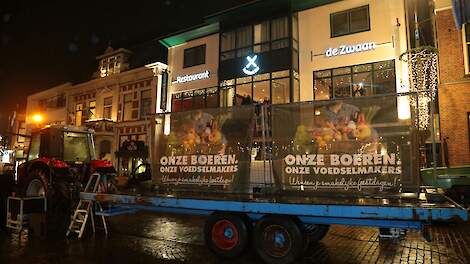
461	10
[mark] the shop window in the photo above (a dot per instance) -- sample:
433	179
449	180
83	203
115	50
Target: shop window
353	81
280	91
263	88
212	98
194	56
78	114
199	99
227	95
145	103
176	103
261	92
243	94
350	21
466	38
107	107
92	110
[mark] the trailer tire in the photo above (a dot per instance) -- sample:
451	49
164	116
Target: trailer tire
316	232
227	235
278	239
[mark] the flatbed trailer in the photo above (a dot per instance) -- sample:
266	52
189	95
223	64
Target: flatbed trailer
275	216
276	177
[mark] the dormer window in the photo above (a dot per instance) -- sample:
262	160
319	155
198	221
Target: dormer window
110	65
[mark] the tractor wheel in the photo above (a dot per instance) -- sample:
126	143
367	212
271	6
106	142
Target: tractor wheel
37	183
58	201
278	240
227	235
59	209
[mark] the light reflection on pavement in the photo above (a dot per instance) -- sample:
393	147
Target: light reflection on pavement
157	238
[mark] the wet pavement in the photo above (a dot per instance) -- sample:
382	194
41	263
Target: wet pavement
158	238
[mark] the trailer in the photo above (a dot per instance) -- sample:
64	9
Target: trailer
277	176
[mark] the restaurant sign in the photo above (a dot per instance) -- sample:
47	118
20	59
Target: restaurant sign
348	49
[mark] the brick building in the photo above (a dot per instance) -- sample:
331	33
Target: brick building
454	85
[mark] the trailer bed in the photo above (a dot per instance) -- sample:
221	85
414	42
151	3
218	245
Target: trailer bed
392	212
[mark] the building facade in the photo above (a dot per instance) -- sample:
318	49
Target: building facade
454	85
290	52
115	104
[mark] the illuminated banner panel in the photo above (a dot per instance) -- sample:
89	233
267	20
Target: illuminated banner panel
345	146
206	149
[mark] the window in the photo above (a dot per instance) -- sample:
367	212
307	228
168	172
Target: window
92	110
258	38
196	99
78	114
129	107
110	65
145	103
194	56
353	81
350	21
263	88
34	148
21	131
466	38
76	147
108	107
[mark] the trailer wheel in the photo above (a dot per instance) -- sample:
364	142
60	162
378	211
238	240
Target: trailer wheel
278	240
227	234
316	232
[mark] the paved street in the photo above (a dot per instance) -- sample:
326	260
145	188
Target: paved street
154	238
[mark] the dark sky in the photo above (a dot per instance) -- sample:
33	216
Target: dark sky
46	43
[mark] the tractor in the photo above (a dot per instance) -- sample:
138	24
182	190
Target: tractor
60	161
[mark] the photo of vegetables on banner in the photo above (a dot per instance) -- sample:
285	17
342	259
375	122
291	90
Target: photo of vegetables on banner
206	148
350	145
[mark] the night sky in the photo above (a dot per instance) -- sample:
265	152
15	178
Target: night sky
47	43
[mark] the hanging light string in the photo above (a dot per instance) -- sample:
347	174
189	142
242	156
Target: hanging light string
422	66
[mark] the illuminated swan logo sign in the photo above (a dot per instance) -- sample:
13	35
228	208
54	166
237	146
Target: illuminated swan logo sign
251	67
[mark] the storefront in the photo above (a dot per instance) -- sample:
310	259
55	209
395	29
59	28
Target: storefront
193	80
353	51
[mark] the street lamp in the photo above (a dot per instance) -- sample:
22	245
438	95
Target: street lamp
37	118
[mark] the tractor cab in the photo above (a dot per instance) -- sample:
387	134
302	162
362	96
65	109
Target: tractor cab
59	154
71	145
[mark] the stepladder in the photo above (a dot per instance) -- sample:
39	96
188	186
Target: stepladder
86	208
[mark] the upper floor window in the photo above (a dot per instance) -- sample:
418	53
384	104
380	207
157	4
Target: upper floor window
130	107
52	102
92	110
261	37
194	56
110	65
350	21
145	103
107	107
78	114
466	38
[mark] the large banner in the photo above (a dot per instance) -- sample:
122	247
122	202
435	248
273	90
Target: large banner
206	149
361	145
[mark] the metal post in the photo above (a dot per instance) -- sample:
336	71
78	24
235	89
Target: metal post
433	135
